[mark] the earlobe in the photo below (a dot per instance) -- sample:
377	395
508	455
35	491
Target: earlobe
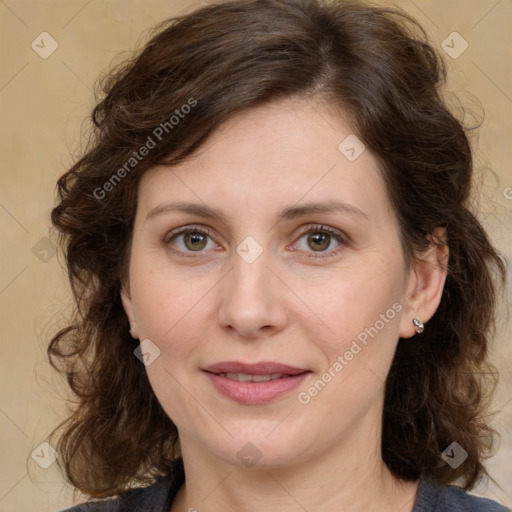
128	308
426	284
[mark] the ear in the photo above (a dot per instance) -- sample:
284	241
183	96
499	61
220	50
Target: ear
126	299
426	283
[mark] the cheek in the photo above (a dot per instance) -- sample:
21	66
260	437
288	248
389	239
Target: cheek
170	311
364	316
170	306
355	301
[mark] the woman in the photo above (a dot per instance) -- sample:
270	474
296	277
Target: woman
275	271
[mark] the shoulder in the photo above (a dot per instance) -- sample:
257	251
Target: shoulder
156	497
146	498
434	497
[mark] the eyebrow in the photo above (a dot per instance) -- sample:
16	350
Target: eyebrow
289	213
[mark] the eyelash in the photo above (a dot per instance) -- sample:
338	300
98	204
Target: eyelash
339	237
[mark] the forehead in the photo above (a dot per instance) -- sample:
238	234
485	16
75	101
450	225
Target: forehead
286	152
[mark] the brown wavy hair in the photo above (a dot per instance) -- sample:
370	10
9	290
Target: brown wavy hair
375	64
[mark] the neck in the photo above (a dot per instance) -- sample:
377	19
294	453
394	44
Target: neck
350	477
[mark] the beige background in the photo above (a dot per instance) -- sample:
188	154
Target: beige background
43	103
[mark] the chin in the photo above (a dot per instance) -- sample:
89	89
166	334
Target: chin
259	451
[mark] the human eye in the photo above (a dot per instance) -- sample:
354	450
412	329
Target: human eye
188	240
319	240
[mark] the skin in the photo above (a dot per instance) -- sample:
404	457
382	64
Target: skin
296	304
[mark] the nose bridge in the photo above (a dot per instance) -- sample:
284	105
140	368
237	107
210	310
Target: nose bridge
249	277
249	281
249	300
250	260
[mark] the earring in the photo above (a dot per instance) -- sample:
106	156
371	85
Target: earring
419	325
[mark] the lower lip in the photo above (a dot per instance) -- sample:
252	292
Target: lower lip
254	393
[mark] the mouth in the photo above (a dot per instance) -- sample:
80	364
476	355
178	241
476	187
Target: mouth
257	383
247	377
263	368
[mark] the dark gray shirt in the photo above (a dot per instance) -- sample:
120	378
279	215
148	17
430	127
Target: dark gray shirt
431	497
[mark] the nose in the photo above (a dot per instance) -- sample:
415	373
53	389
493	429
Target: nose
253	303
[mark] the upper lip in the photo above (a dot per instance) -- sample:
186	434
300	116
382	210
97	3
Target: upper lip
261	368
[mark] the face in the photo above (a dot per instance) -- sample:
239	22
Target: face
282	251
